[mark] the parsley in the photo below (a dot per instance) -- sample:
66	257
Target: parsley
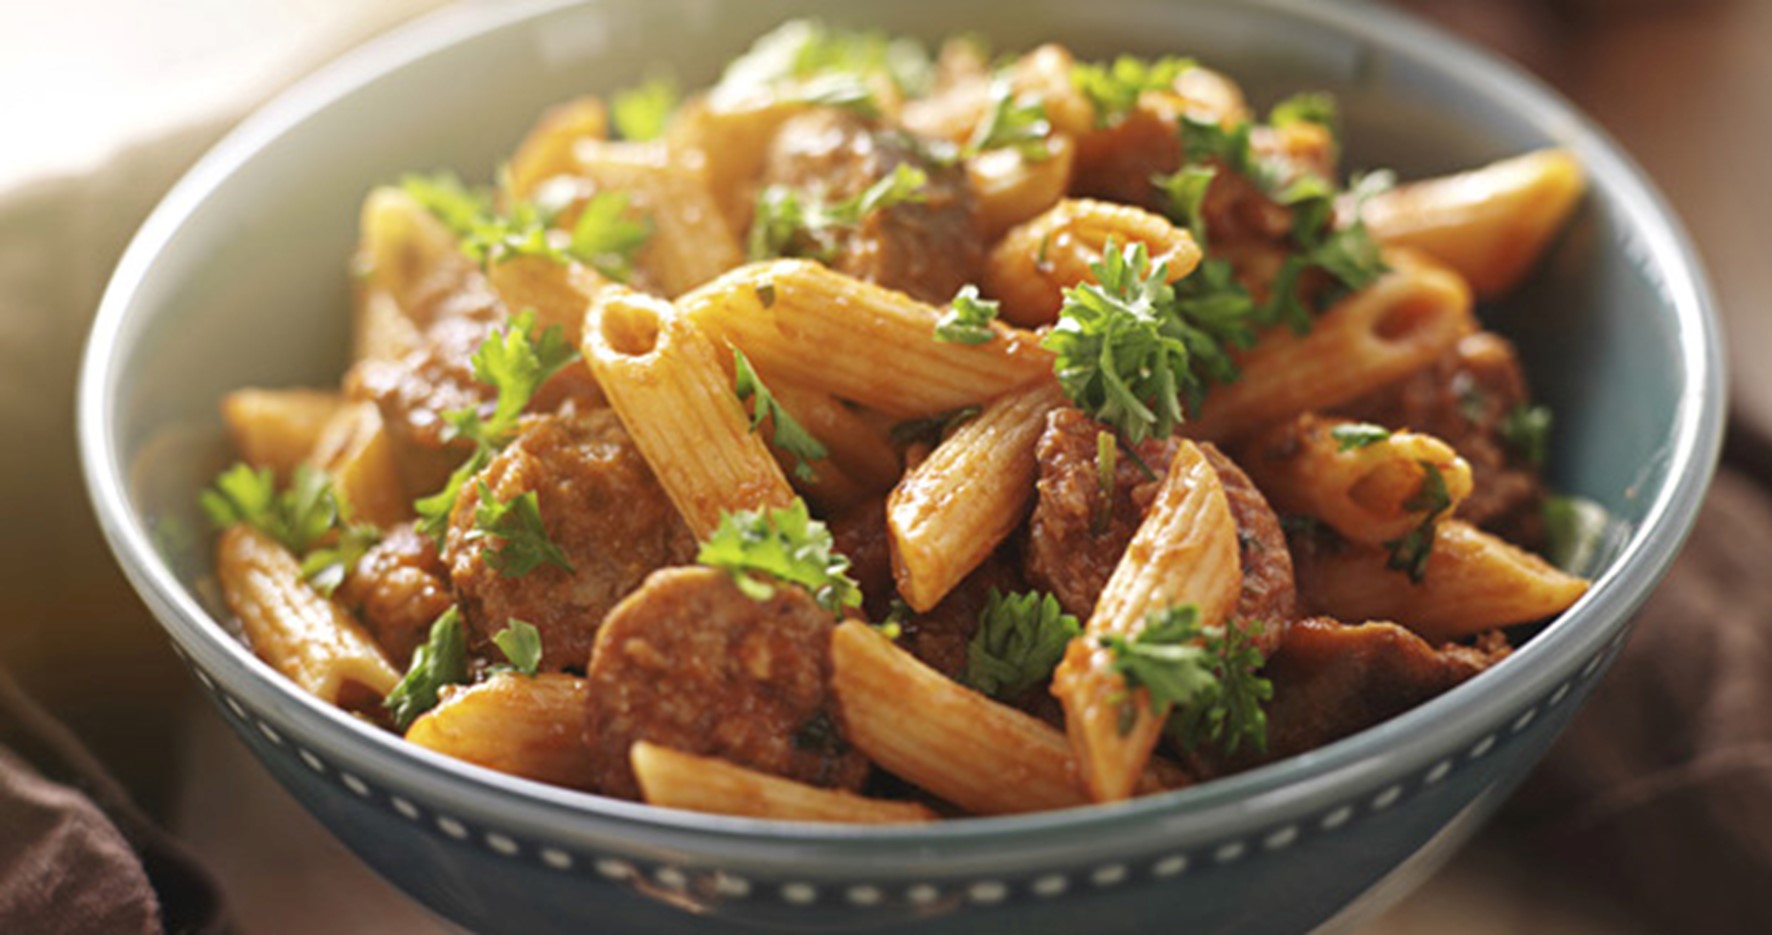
786	544
605	238
460	208
1114	88
1576	530
520	641
1527	430
786	225
523	537
1410	551
898	613
1011	123
442	660
1184	192
1129	352
1208	675
1351	435
515	363
1205	141
968	318
1306	107
801	51
641	113
1019	640
790	436
307	519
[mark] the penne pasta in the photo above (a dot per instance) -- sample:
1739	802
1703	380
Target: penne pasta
1490	224
278	428
955	507
985	757
1382	333
728	142
1185	552
674	779
380	330
560	293
548	149
858	446
354	448
1473	582
667	381
1029	269
524	725
1009	188
307	637
408	252
1364	490
690	243
874	346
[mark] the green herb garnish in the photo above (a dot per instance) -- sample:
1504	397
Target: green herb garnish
1351	435
441	660
1208	674
789	435
784	544
1410	552
306	518
522	543
1114	87
520	642
643	112
1019	640
968	318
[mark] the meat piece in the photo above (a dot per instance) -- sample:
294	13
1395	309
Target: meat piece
397	589
1463	399
927	248
600	505
1076	537
689	662
1332	680
859	534
939	638
1117	163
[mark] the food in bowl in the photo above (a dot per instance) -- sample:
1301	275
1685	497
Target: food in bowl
878	438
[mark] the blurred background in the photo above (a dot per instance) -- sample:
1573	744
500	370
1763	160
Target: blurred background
105	102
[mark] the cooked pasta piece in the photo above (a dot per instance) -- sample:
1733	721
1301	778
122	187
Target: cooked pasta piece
729	140
354	448
380	330
1380	334
955	507
675	779
1358	478
872	345
560	293
1032	265
1473	582
408	252
307	637
548	149
1010	188
1490	224
1185	552
524	725
689	244
858	446
278	428
985	757
666	380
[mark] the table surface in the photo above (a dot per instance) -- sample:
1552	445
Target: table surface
1680	88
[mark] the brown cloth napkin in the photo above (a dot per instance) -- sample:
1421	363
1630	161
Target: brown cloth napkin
76	856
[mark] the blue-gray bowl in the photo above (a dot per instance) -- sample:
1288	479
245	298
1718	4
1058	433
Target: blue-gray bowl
239	278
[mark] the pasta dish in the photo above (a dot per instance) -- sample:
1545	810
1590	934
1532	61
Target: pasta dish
886	436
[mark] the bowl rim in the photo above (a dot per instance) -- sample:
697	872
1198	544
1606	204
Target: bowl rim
1412	739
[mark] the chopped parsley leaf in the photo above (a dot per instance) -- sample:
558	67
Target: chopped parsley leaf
787	224
1019	640
1306	107
307	518
520	642
1208	674
1410	552
784	544
441	660
523	543
1527	432
968	318
1011	123
1114	87
642	112
790	436
1351	435
605	238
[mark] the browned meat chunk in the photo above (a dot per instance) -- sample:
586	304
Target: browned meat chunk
860	535
1076	536
940	637
927	248
600	505
397	589
691	663
1332	680
1117	163
1464	398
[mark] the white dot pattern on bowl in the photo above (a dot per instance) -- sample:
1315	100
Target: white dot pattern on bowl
978	892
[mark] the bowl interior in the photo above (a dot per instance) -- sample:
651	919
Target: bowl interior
241	278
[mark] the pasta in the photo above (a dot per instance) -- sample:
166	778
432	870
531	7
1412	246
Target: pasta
840	444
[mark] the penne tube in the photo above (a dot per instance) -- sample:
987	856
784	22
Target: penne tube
1009	188
1029	269
858	446
1372	338
560	293
954	508
1490	224
1185	552
1473	582
408	252
380	330
355	449
300	633
278	428
1362	491
667	381
822	330
690	242
548	149
729	142
673	779
525	725
985	757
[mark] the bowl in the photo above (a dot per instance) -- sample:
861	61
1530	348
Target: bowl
239	278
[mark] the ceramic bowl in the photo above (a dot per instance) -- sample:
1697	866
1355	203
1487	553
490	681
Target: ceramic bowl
239	278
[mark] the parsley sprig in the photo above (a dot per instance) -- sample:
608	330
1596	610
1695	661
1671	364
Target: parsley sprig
520	642
307	518
784	544
968	318
515	538
789	435
1011	123
1352	435
642	112
1526	429
790	223
442	660
1410	551
1208	674
605	236
805	60
1019	640
1114	87
515	362
1132	352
